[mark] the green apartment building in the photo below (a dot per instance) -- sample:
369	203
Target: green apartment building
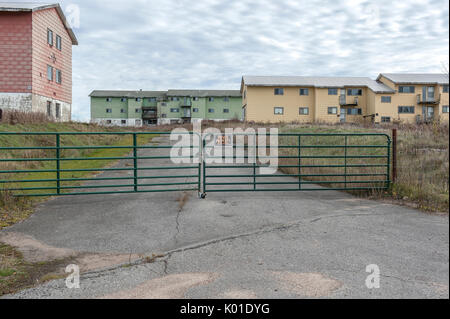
137	108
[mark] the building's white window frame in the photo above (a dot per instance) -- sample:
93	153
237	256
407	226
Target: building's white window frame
58	76
108	99
136	110
49	73
304	91
406	109
49	108
50	37
278	110
302	109
384	99
278	91
333	110
444	108
411	89
58	42
385	119
195	110
122	111
332	91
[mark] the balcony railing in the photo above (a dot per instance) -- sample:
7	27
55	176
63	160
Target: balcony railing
343	101
149	113
186	112
428	99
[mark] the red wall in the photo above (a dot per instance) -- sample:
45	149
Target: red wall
42	52
15	52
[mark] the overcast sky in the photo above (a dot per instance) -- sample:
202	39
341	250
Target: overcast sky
157	45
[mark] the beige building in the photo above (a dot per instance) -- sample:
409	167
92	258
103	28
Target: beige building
392	97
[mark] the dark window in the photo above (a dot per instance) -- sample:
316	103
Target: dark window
354	111
137	110
122	110
123	99
332	109
406	89
278	91
163	116
332	91
278	110
385	99
49	108
210	110
152	99
50	37
174	98
108	110
123	121
58	110
406	109
444	108
211	99
195	98
108	99
354	92
174	110
108	121
49	73
385	119
58	42
58	76
303	110
226	99
445	88
138	99
304	91
226	111
195	110
163	104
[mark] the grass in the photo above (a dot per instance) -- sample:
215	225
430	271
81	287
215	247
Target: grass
14	209
17	274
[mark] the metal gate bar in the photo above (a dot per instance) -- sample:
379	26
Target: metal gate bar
58	159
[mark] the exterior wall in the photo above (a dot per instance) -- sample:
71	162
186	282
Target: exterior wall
15	52
16	101
40	106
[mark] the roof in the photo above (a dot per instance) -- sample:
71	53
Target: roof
36	6
317	81
204	93
416	78
129	94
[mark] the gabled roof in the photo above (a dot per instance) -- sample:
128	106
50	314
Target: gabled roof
416	78
128	94
316	81
204	93
35	6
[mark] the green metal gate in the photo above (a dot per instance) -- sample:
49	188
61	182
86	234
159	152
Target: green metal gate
59	173
307	162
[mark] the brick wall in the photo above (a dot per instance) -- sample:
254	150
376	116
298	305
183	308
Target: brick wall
44	54
15	52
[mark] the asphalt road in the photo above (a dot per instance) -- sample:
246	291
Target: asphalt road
245	245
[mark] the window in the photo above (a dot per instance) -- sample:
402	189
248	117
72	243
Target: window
174	110
163	116
445	88
50	37
58	110
303	110
195	109
108	110
108	121
304	91
124	99
278	110
58	42
226	99
49	73
332	91
226	110
444	108
406	109
210	110
195	98
406	89
58	76
108	99
354	111
211	99
49	108
122	110
163	104
385	119
123	121
332	109
278	91
152	99
385	99
137	110
138	99
354	92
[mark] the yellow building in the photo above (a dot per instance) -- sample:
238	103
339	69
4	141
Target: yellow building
343	99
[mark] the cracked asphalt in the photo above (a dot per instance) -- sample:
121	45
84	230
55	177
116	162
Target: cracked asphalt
244	245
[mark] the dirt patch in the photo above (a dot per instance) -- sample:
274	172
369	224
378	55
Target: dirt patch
239	294
167	287
308	284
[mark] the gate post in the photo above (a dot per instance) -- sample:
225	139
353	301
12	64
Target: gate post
58	163
394	155
135	162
